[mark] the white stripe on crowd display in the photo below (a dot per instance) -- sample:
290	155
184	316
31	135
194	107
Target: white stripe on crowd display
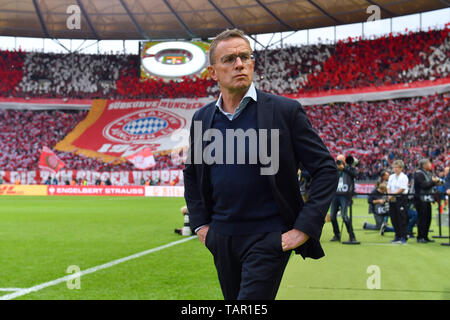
22	292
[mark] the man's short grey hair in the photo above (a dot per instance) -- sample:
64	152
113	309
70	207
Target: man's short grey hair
398	163
225	35
423	162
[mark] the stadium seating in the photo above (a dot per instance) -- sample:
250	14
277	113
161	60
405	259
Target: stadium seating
374	132
383	61
72	75
354	63
379	132
11	72
24	133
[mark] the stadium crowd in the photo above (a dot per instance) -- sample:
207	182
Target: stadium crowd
24	133
374	132
354	63
383	61
72	75
378	132
11	72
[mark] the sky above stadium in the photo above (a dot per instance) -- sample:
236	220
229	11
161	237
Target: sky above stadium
416	22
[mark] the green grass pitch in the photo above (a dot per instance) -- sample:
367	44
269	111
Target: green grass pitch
40	237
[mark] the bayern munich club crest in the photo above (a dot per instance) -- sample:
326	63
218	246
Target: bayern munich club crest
143	126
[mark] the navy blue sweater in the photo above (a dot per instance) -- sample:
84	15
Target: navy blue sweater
242	198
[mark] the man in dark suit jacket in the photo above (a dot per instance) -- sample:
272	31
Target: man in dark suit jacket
250	213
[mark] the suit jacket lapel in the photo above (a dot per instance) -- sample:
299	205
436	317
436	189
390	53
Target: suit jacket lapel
204	185
265	116
264	112
208	119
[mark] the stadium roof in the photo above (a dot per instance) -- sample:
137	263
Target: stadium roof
187	19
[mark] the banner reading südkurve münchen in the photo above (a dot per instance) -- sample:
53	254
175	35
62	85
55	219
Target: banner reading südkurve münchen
114	129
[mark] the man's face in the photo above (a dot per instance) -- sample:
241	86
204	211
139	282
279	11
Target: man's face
237	76
428	166
340	162
397	169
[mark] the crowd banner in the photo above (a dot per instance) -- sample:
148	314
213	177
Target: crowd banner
119	178
49	161
115	129
44	103
389	91
395	91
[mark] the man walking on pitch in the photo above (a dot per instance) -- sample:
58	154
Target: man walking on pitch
245	205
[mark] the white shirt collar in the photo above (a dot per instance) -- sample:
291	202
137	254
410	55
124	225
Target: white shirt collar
250	94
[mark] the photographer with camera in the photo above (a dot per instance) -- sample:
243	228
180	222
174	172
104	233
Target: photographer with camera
343	198
424	185
379	207
383	178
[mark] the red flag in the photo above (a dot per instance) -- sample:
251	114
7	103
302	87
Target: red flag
49	161
142	159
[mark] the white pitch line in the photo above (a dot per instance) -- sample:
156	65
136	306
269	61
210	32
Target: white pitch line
11	289
41	286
